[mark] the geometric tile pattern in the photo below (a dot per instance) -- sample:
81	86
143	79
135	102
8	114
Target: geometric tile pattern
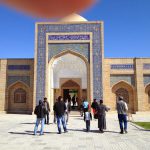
18	67
127	78
146	66
94	28
13	79
146	80
69	37
82	48
122	66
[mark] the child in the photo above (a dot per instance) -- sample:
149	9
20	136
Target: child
87	118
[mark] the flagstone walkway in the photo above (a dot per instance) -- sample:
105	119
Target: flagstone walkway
16	133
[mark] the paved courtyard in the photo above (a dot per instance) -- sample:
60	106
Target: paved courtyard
16	133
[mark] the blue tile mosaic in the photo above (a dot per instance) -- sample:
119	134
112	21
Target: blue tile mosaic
146	66
146	79
122	66
114	79
95	28
13	79
81	48
69	37
18	67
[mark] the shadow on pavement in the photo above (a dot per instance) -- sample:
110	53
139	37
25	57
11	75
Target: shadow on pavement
92	131
21	133
28	123
44	132
33	123
30	133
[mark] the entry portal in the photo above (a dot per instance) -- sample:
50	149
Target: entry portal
72	95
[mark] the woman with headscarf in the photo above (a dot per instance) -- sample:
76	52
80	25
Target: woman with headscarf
102	116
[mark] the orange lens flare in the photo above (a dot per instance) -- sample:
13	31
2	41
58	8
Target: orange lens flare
49	8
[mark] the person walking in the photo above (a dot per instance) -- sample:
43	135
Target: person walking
122	109
40	112
102	116
68	109
94	107
74	101
60	108
87	119
81	109
46	104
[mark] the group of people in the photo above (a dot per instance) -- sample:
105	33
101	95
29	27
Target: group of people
61	110
99	111
61	114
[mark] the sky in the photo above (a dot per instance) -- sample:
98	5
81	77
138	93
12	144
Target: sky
126	29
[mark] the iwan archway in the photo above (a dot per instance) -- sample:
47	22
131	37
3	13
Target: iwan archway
68	71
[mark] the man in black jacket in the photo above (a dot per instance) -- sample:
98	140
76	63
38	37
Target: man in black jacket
40	112
59	109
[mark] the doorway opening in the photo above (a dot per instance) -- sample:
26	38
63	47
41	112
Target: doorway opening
72	92
73	98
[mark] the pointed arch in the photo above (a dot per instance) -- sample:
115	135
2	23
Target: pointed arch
126	90
18	82
18	95
147	91
147	88
49	87
69	52
122	84
70	83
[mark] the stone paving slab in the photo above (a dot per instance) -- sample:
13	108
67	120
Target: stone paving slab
17	133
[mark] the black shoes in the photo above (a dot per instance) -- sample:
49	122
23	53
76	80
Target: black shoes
59	133
101	131
65	131
125	131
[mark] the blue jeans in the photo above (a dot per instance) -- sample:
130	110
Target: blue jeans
61	119
122	120
88	125
38	121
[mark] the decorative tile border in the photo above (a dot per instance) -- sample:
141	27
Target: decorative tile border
146	66
122	66
69	37
18	67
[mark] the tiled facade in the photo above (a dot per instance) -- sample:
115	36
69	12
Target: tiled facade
85	40
43	29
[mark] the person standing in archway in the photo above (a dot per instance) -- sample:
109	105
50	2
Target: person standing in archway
122	109
68	109
74	101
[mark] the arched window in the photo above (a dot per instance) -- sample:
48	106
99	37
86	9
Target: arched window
20	96
149	96
123	92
